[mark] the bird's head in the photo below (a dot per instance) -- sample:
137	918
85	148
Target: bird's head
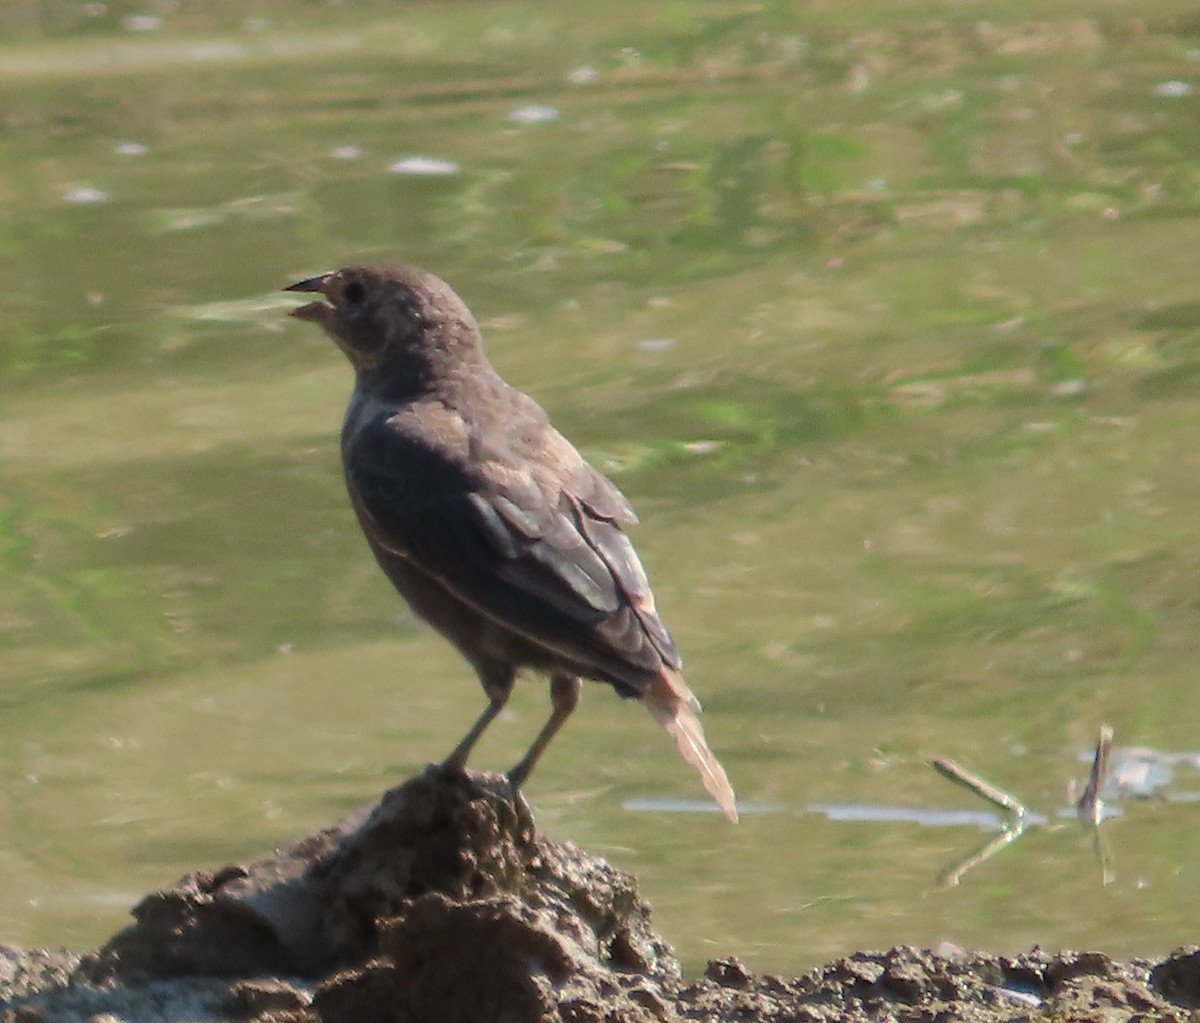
391	319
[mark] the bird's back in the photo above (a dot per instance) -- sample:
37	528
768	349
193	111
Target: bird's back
481	495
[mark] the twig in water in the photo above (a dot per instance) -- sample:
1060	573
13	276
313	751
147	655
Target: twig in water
984	789
1090	806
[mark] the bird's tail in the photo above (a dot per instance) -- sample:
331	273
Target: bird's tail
675	707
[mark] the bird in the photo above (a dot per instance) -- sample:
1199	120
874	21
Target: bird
487	520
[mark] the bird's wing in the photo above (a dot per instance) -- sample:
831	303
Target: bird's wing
533	541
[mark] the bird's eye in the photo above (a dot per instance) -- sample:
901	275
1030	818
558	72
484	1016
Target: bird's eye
354	292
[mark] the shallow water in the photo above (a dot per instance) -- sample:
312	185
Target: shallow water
884	319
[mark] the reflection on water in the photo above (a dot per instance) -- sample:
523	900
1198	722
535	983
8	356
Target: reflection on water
931	818
694	806
885	321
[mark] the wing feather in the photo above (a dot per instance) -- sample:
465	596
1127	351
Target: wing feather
541	552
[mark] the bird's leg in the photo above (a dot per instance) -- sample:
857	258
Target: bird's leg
564	697
457	759
497	681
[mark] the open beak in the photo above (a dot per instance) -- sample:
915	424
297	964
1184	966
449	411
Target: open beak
314	311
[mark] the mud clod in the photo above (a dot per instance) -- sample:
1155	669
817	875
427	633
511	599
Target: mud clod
442	902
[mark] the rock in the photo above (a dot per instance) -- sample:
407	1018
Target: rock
1178	976
271	996
24	972
316	905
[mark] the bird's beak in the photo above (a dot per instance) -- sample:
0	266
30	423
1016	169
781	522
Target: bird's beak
315	311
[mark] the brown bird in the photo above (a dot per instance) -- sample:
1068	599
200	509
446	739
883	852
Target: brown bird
486	519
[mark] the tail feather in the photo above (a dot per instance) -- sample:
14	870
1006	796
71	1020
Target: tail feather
671	703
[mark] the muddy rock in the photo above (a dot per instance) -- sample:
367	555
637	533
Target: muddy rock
24	972
323	903
442	902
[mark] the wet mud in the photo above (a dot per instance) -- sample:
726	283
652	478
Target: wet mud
443	902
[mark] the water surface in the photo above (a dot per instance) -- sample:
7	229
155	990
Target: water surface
884	318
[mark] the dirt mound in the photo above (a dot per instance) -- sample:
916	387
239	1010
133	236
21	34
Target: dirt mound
441	902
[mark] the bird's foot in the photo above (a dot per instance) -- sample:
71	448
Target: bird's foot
452	767
517	776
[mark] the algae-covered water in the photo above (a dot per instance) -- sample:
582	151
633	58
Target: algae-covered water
883	315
